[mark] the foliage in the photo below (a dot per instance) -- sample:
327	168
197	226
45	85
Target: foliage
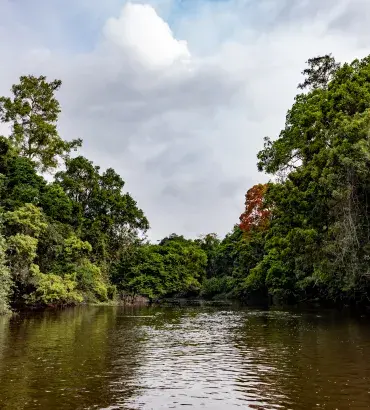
26	220
52	289
305	236
319	72
23	226
210	244
5	279
33	113
224	285
256	216
103	215
56	204
318	241
174	266
90	280
61	238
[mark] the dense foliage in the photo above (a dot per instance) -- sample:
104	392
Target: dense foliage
312	223
174	266
304	236
59	239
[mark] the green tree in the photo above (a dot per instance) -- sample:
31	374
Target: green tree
53	290
174	266
33	113
64	238
319	72
104	215
318	241
56	204
20	182
23	227
210	244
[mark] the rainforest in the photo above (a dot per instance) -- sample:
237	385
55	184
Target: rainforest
70	234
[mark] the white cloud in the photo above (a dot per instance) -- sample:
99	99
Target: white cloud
181	115
140	30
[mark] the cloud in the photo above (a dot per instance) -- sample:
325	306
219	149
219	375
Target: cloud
140	30
178	95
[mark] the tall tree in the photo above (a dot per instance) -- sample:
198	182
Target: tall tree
319	240
255	216
103	214
33	113
210	244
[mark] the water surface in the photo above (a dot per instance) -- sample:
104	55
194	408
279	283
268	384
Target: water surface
178	358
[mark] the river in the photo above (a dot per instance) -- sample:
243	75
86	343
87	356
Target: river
191	357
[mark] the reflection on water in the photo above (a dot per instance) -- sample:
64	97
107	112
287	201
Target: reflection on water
202	358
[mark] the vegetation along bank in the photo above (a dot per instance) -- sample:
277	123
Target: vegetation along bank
81	237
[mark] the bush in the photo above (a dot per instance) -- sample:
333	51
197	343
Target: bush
54	290
212	287
5	280
90	280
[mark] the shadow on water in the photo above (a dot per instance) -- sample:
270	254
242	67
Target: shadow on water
64	359
204	357
304	360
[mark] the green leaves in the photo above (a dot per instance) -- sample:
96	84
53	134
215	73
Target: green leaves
27	220
79	225
5	278
103	214
23	225
319	235
174	266
319	72
54	290
33	114
308	233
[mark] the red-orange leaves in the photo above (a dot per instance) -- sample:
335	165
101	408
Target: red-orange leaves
255	216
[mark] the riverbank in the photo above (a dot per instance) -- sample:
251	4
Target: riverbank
217	301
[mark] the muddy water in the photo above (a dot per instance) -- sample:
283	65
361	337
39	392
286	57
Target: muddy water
176	358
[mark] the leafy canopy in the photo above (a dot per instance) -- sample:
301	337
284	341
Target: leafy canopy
33	113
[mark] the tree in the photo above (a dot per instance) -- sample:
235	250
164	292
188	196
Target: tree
56	204
174	266
318	241
319	72
54	290
255	216
210	244
103	214
23	227
63	238
33	113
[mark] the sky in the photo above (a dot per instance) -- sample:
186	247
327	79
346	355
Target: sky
177	95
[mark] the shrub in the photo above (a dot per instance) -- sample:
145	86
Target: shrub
54	290
212	287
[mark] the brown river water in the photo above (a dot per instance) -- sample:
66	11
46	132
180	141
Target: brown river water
177	358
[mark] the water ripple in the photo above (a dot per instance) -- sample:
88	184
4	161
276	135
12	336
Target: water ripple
198	358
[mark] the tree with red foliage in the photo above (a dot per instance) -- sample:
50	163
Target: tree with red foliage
255	216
